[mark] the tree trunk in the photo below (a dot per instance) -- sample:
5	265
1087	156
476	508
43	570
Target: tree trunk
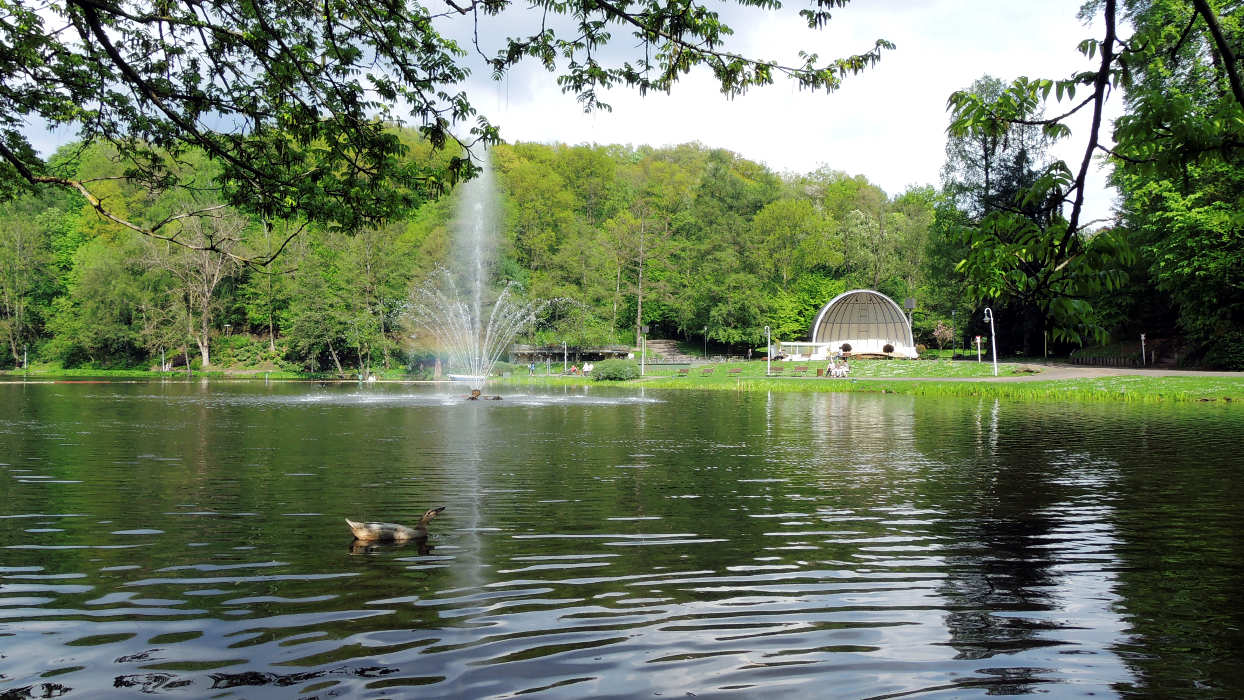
16	325
189	331
271	320
204	338
617	291
267	226
336	360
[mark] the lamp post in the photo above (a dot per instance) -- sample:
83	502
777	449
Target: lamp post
705	331
25	361
954	333
565	356
993	338
1142	349
768	353
643	349
228	329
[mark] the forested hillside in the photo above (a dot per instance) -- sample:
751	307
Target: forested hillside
279	218
683	239
697	243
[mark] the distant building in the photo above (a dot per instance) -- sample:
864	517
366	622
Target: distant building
862	319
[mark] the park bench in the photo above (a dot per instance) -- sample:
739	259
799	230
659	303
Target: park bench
683	371
735	370
776	370
706	371
800	371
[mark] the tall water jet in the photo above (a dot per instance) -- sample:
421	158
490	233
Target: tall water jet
450	305
475	231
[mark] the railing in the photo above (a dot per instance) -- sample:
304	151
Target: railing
1086	361
1107	361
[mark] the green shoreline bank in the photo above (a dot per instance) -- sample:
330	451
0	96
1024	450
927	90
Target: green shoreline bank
927	380
1108	389
1119	388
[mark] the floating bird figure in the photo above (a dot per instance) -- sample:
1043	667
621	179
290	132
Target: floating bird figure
392	532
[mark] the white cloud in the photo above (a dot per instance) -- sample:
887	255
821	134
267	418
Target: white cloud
887	123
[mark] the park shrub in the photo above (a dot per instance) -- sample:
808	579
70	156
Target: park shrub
615	370
846	347
502	368
1226	352
246	351
888	348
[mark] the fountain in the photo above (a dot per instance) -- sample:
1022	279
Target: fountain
456	320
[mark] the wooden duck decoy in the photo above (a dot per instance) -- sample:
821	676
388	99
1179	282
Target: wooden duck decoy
392	532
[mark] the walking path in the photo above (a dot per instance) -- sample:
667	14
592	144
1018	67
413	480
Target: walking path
1045	372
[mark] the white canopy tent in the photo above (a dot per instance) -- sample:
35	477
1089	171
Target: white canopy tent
868	321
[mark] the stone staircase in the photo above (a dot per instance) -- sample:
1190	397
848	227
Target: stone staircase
668	351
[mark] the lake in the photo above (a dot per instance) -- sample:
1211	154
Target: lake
187	539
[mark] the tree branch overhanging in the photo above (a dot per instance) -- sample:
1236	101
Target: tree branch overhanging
1229	60
1100	87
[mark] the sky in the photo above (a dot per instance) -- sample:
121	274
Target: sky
887	123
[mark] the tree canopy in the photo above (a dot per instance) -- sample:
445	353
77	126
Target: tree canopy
689	240
333	133
1175	153
293	102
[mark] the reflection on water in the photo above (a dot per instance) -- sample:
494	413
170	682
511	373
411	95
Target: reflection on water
189	539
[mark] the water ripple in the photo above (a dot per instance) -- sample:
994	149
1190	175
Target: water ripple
613	546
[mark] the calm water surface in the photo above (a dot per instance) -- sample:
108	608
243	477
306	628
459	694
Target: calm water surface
186	539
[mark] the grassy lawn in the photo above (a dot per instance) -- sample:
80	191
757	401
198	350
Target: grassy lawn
860	369
884	376
61	373
892	376
888	376
1124	388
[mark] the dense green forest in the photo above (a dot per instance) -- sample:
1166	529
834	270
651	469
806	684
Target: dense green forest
682	239
689	240
163	243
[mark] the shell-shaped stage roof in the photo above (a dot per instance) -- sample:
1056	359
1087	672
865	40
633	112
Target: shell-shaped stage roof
867	320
